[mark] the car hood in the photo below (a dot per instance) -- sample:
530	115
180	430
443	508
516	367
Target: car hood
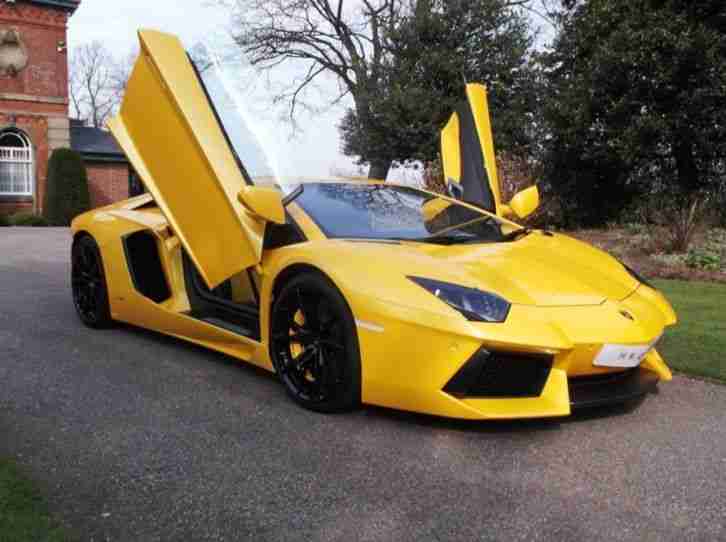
539	269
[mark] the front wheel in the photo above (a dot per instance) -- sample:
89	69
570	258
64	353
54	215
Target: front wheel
88	282
314	345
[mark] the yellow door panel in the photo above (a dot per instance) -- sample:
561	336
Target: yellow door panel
170	134
467	152
477	96
244	288
451	150
240	288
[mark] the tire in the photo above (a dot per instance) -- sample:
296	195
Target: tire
88	284
321	369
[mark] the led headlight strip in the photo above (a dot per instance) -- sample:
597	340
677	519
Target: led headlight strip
475	305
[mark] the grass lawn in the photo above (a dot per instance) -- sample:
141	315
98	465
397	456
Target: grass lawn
697	345
23	512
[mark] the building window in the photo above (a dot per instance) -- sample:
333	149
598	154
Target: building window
16	164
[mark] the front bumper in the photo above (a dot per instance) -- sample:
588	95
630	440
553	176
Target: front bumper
614	388
529	386
415	357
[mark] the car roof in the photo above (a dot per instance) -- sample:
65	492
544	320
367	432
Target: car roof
271	181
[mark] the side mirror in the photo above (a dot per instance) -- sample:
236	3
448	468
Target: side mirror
263	202
433	208
454	189
524	203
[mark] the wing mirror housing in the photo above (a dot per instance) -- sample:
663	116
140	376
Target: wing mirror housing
433	208
524	203
263	202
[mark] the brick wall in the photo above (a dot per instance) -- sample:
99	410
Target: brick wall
46	76
7	208
35	99
107	183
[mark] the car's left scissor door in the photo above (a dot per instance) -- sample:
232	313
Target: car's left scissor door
467	152
172	135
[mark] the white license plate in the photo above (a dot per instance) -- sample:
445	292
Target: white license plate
621	355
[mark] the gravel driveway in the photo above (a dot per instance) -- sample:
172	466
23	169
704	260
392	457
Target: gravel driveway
135	436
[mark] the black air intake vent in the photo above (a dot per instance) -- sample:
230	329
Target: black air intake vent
144	263
501	374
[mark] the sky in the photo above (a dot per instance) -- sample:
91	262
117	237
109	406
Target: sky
312	150
314	147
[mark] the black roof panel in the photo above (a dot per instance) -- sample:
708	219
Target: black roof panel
94	143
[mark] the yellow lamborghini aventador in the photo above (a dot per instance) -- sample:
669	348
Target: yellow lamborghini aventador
354	291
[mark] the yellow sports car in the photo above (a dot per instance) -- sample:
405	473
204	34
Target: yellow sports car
356	291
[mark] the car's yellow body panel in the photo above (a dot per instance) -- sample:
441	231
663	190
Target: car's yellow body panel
453	135
477	96
567	298
177	147
411	343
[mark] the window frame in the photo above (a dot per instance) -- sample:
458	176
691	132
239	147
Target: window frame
29	163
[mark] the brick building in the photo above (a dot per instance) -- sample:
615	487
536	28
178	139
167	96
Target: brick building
110	177
34	117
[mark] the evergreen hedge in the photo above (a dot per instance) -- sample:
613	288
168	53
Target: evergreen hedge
67	194
27	220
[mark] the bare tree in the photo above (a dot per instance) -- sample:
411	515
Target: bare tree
324	37
121	73
348	40
97	82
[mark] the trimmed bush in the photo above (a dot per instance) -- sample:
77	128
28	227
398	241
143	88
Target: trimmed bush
4	221
27	220
67	194
703	258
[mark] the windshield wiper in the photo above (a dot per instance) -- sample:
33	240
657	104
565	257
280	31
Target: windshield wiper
445	231
442	239
512	235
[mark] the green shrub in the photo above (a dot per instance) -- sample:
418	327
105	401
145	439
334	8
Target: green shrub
670	260
4	221
27	220
677	217
703	258
67	195
719	206
716	237
635	228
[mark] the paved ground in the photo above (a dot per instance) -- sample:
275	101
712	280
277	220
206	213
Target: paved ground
139	437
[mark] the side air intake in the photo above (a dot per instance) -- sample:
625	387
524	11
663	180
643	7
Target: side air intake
501	374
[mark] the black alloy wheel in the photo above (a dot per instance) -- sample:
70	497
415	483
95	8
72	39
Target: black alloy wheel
314	345
88	282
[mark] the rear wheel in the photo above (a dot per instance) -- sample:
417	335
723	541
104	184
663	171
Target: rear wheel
88	282
314	345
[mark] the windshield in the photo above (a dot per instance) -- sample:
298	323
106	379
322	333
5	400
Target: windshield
390	212
341	210
230	85
268	146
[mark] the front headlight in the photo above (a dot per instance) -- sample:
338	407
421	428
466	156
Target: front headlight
474	304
